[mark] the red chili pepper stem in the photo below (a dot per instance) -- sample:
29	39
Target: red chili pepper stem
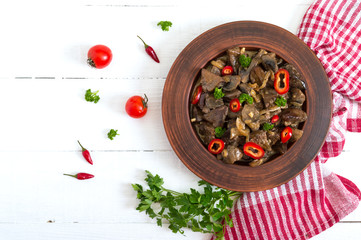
145	45
74	176
82	148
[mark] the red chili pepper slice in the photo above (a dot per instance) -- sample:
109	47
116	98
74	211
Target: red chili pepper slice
275	118
253	150
227	70
81	176
286	134
235	105
197	95
86	154
150	51
282	81
216	146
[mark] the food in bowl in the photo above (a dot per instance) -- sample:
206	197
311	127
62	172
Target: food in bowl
248	106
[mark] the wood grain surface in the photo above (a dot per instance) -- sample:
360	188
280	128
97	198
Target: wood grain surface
43	77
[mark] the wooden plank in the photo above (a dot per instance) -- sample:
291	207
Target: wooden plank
34	180
59	40
54	231
131	231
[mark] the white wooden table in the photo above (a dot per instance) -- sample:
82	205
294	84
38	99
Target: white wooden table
43	78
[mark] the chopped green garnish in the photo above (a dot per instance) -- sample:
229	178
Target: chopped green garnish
92	96
206	211
245	97
244	61
218	94
280	101
112	133
219	131
165	25
268	126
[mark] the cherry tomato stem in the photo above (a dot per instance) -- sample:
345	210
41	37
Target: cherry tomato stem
253	150
216	146
282	81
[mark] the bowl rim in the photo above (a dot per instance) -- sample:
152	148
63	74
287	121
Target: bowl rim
179	129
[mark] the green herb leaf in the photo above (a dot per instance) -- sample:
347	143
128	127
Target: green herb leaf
280	101
268	126
165	25
218	94
219	131
112	133
206	212
244	61
92	96
245	97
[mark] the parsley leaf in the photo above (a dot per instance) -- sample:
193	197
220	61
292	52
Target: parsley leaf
244	61
267	126
245	97
92	96
165	25
280	101
112	133
218	94
219	131
206	212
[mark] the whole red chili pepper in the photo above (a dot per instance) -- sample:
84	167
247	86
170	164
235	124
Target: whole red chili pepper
150	51
86	154
81	176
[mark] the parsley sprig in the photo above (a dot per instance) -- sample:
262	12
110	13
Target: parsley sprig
280	101
245	97
219	131
200	212
244	60
112	134
165	25
218	93
92	96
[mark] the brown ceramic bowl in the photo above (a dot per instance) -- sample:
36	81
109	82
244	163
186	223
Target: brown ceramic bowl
176	100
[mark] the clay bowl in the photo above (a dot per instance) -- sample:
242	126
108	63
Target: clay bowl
176	105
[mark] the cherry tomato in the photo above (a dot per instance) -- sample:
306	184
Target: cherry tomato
286	134
136	106
99	56
275	118
227	70
216	146
235	105
197	95
253	150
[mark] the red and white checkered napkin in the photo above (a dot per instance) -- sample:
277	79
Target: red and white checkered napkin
316	199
